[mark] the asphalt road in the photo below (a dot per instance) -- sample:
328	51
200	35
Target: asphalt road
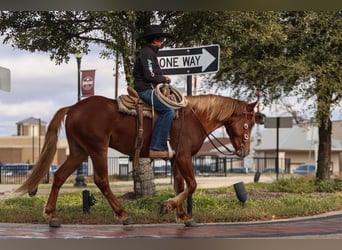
327	226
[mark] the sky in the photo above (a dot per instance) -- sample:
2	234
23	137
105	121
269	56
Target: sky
39	87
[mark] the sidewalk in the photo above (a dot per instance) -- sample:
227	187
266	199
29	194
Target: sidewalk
7	190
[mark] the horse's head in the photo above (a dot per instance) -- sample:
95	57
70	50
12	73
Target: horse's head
239	129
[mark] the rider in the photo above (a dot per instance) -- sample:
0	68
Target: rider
147	74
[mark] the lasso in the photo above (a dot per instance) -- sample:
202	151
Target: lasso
170	96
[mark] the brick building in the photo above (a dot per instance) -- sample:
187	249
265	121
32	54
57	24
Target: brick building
25	147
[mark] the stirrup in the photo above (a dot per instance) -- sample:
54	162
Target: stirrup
169	149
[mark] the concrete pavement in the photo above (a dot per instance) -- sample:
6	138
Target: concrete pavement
7	190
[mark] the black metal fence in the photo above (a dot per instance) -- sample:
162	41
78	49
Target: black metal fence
121	167
14	173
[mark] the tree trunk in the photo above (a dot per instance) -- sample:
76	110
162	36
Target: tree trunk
324	148
143	178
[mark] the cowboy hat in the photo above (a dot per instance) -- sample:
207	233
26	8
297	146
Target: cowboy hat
153	31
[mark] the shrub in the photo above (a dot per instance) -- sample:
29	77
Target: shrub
329	186
302	184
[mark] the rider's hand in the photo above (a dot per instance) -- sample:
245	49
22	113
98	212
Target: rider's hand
168	79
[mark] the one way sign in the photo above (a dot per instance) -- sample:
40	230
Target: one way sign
186	61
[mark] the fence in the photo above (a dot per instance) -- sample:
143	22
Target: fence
14	173
121	167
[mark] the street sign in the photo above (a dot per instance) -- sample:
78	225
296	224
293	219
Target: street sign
278	122
5	79
188	61
284	122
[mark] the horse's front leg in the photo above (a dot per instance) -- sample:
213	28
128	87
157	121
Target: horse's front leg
178	183
178	201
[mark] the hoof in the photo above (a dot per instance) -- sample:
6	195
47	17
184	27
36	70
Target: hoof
33	192
55	222
163	209
191	223
128	221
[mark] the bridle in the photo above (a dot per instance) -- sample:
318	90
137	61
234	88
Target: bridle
245	136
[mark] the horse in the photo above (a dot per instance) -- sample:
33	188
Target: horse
95	123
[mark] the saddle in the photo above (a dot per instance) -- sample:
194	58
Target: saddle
132	104
128	104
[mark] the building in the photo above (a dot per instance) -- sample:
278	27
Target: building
26	145
297	145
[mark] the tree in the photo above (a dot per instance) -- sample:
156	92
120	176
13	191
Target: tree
62	33
314	40
276	53
280	53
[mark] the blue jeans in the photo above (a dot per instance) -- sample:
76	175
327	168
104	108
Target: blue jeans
163	124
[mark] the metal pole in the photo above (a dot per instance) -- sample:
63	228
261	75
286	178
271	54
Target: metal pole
79	173
39	124
277	150
78	59
32	143
189	93
189	85
116	75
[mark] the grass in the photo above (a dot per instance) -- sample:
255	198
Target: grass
284	198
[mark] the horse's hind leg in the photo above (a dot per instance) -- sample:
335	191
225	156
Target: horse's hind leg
59	178
101	180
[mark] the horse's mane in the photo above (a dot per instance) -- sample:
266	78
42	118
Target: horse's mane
216	107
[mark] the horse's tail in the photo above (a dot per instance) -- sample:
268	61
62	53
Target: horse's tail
42	166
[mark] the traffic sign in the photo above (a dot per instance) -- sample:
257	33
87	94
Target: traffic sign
188	61
280	122
5	79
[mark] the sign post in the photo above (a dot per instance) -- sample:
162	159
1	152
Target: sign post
278	122
189	61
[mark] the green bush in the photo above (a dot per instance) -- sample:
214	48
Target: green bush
305	184
329	186
302	184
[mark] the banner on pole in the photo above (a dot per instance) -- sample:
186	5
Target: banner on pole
87	82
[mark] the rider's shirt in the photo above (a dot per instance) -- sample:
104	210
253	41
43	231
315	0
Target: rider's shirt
147	72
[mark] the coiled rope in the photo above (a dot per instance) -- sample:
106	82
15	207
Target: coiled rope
170	96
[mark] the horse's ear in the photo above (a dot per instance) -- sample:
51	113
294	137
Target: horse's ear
251	106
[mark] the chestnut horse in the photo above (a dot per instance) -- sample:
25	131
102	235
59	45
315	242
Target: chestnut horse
94	124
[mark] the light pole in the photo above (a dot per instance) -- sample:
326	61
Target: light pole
79	173
78	56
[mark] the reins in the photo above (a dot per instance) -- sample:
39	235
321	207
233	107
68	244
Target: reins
208	136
